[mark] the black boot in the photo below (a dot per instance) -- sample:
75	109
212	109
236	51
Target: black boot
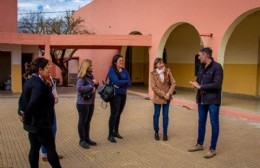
92	143
111	139
156	136
165	137
117	135
84	144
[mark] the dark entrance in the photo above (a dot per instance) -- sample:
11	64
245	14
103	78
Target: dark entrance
5	65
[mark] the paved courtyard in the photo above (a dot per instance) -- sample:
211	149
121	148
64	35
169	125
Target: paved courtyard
238	146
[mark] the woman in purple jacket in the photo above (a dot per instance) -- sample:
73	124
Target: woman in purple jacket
86	89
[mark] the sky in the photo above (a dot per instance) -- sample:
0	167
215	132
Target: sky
56	6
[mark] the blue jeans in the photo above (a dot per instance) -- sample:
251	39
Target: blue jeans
54	130
156	116
213	110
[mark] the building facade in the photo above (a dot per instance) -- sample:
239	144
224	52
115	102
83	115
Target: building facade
181	28
142	30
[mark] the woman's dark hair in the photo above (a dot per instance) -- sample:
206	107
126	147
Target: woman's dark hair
114	60
38	63
156	61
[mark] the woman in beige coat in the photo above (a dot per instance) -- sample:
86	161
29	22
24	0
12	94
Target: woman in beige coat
163	86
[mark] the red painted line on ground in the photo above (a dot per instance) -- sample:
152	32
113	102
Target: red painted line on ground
240	114
223	110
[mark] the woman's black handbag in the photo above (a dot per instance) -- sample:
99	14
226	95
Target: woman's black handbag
86	96
106	92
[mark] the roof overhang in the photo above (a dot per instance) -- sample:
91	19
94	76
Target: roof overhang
79	41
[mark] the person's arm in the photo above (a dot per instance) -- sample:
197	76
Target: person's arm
21	108
114	78
33	93
128	79
172	82
82	87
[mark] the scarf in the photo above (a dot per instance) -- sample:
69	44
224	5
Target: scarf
161	73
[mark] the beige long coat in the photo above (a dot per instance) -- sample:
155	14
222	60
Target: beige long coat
160	88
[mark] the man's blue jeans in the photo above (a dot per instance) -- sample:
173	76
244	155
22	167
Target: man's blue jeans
213	110
156	116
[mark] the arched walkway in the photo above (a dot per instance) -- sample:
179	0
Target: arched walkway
181	42
241	58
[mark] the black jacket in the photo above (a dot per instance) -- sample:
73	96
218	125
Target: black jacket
37	103
210	79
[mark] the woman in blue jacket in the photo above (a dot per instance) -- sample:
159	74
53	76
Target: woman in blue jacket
119	78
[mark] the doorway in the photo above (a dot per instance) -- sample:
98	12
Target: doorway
5	73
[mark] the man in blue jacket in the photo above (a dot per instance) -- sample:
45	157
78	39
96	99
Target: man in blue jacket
209	90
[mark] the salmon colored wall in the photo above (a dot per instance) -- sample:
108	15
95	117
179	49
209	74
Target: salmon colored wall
101	60
8	16
204	15
123	16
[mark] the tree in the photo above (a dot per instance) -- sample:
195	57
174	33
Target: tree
36	23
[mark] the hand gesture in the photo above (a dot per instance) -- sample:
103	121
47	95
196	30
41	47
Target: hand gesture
195	84
167	96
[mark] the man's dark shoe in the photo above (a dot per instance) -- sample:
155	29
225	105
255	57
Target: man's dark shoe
92	143
156	136
165	137
83	144
111	139
117	135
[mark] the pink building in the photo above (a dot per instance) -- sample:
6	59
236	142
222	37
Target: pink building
143	30
230	28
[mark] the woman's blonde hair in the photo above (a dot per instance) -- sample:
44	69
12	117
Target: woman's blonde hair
85	64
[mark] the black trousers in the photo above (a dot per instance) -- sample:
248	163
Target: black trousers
43	137
117	105
85	112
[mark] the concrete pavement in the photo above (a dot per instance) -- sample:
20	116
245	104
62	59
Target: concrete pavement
238	145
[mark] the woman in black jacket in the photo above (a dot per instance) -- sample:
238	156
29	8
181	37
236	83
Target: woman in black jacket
37	112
